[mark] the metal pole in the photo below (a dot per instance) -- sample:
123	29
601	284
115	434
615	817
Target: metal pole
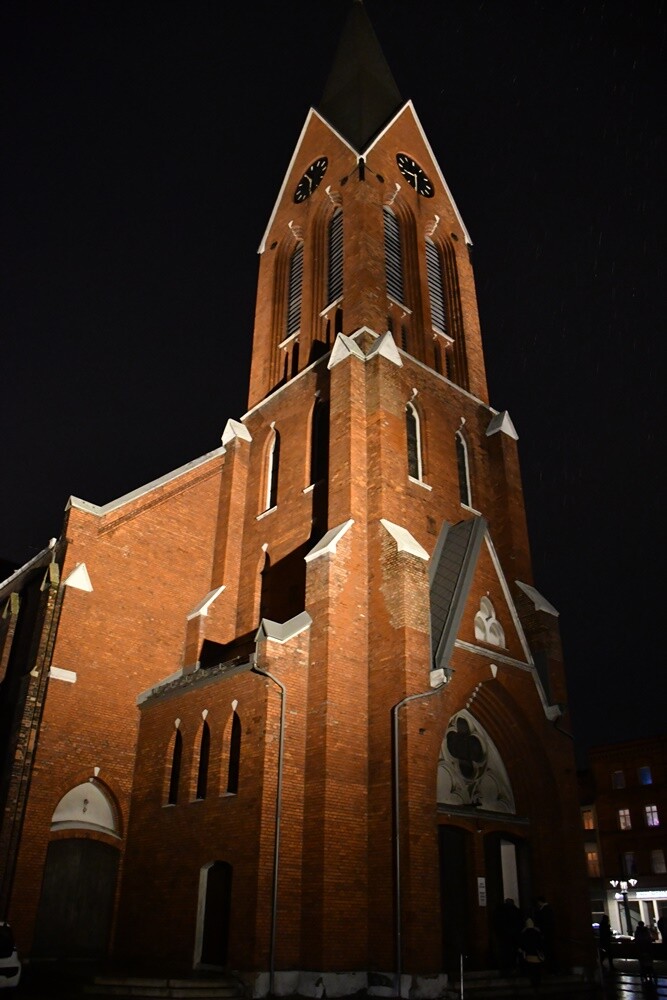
397	834
276	842
627	911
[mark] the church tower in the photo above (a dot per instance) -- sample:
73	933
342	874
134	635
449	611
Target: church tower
351	745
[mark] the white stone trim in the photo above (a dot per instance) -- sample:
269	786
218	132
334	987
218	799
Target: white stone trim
79	578
58	674
108	508
386	347
328	543
282	632
540	603
201	609
502	423
235	429
404	540
342	349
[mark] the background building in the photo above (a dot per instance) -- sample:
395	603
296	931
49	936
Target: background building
624	805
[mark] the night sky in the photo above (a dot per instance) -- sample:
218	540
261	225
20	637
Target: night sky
143	146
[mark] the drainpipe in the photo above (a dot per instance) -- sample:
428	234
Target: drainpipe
397	837
276	843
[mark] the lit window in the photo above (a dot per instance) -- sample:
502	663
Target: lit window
658	862
589	822
645	776
624	819
593	864
463	468
413	431
618	779
651	813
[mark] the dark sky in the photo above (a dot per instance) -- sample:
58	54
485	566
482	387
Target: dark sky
143	145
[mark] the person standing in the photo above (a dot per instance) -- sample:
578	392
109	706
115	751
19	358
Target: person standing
531	952
507	925
643	946
605	943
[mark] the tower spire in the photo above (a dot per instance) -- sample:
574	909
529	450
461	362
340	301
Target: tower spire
361	94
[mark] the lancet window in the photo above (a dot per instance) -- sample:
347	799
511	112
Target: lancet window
175	774
204	754
295	286
393	255
436	287
414	439
335	275
463	469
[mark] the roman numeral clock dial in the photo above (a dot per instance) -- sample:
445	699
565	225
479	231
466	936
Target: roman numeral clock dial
415	175
311	179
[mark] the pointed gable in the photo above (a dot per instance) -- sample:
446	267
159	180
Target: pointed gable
360	95
471	604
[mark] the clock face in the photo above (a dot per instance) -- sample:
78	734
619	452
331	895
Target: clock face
311	179
414	175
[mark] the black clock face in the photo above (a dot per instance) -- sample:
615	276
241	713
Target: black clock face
311	179
414	175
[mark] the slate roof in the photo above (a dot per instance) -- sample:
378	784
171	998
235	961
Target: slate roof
452	568
361	95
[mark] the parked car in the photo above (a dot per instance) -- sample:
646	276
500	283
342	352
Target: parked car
10	964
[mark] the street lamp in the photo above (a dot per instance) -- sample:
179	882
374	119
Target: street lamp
623	886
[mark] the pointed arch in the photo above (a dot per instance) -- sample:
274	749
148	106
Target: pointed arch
463	469
414	442
471	771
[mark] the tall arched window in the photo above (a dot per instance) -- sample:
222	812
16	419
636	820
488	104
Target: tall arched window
436	287
204	753
335	276
272	469
175	775
234	756
413	433
319	443
294	290
393	255
463	469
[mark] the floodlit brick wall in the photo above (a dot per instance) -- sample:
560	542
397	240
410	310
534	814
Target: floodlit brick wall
149	563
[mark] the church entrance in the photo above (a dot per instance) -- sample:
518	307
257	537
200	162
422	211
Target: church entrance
215	895
455	862
76	902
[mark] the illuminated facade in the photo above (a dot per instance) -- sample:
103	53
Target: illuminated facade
301	696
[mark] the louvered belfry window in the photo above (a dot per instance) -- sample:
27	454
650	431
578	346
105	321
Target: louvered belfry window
294	292
335	289
393	256
436	287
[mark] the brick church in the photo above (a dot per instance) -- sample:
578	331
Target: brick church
297	709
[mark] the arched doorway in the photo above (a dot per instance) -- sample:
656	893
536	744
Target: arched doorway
215	897
79	881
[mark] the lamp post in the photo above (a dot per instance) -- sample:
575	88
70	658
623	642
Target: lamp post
622	887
